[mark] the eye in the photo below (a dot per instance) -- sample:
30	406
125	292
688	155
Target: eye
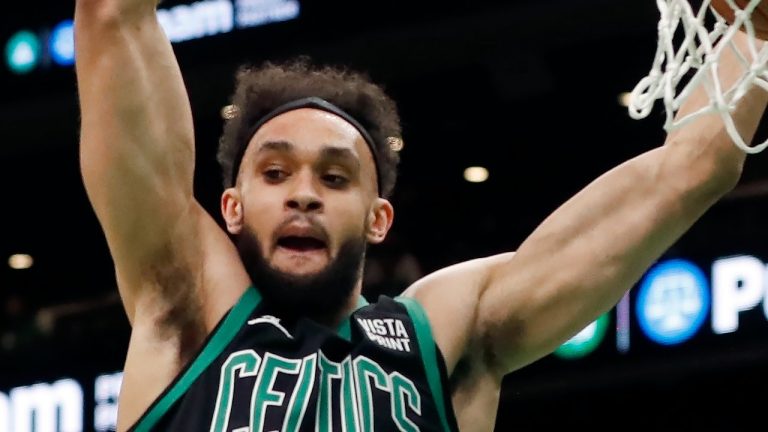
275	174
335	180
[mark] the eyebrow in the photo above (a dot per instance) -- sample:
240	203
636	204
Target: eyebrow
341	154
279	146
327	153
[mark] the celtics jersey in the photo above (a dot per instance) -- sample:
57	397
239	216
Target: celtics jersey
380	371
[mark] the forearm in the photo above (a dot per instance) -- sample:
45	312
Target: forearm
136	128
129	83
584	257
702	148
137	140
124	10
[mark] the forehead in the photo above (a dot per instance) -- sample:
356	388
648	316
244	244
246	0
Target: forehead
312	129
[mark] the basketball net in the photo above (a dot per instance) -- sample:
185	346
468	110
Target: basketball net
699	53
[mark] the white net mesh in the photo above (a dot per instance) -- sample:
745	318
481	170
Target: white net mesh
696	56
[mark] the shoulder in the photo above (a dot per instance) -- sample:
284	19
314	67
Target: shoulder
450	299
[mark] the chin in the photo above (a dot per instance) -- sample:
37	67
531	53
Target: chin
300	278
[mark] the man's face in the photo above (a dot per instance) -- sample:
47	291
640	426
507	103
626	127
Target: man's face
307	190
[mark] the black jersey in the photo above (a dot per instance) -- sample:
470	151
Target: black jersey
380	371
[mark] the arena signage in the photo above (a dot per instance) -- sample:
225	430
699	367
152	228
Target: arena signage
675	298
60	406
28	50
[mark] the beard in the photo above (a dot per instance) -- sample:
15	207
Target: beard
319	296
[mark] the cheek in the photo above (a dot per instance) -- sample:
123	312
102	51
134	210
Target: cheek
262	219
351	221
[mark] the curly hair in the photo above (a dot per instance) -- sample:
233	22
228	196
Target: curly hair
259	90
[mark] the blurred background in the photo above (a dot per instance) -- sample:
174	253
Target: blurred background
508	109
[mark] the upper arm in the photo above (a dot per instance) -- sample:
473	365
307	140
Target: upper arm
136	144
450	298
508	310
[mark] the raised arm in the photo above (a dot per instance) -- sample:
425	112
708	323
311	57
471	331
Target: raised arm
136	144
578	263
177	271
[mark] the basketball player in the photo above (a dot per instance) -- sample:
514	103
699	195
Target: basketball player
261	326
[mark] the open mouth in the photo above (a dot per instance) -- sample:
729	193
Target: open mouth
301	244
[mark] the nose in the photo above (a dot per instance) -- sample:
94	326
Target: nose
303	196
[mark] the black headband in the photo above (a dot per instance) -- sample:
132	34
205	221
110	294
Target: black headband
310	102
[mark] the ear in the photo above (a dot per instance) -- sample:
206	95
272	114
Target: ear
380	221
232	210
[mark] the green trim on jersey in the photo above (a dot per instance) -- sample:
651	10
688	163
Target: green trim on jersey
219	340
345	328
428	354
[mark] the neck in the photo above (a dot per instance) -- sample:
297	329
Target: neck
349	306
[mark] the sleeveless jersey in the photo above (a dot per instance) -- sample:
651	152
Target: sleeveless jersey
380	371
